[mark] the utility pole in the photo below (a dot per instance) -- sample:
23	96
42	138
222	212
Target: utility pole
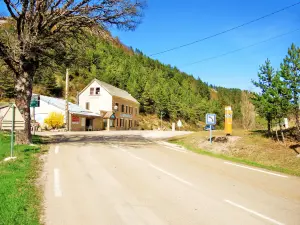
67	100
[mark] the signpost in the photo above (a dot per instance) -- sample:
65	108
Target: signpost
179	124
12	132
12	120
35	102
210	119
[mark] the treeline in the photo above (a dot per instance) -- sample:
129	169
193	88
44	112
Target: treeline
159	88
279	90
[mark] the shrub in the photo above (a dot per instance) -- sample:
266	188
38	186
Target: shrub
55	120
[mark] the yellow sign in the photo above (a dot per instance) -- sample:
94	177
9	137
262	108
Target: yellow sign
228	120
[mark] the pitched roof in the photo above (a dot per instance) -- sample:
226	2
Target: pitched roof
61	104
114	91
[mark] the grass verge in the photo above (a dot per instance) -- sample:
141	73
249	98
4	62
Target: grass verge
20	198
234	159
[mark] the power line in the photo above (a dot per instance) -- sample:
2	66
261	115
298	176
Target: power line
226	31
239	49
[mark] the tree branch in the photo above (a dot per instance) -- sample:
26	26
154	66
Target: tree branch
11	6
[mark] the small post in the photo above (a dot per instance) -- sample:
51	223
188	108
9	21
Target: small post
12	132
210	131
67	100
33	110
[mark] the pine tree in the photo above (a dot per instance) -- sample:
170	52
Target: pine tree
291	75
264	102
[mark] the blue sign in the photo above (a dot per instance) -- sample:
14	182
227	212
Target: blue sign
210	119
113	117
126	116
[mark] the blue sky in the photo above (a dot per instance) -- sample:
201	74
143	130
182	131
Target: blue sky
170	23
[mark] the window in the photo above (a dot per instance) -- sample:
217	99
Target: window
130	110
87	105
136	111
91	91
117	122
122	122
130	123
122	108
126	109
97	91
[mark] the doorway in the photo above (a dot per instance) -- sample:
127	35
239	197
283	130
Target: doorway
89	124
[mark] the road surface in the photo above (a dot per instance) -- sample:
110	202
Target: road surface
119	181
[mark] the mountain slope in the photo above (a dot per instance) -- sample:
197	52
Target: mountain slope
158	87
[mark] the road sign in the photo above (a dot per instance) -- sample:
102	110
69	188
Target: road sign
12	119
35	101
211	119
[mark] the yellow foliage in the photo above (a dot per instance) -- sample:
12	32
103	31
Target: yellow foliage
55	120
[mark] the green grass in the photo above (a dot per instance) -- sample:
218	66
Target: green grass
20	199
235	159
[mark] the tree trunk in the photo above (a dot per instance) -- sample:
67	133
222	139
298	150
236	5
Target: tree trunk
269	127
297	118
276	134
23	97
282	135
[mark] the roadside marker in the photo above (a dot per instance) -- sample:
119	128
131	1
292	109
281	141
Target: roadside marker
57	189
253	212
56	150
258	170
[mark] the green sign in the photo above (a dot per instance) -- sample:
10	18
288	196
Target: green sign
35	101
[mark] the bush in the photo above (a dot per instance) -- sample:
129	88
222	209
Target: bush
55	120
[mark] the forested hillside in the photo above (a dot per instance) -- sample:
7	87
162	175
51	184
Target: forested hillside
158	87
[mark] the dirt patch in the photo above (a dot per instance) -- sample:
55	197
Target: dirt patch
250	146
217	145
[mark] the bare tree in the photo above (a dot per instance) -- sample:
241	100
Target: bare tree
36	29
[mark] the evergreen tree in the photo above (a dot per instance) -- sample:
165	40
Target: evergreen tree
264	102
291	75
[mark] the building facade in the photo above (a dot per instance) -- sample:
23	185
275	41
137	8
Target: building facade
119	109
80	119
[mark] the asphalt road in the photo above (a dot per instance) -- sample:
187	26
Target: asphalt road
141	182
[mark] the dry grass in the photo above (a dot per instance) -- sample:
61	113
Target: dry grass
249	147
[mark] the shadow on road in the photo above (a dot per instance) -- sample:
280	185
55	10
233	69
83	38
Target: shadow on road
94	139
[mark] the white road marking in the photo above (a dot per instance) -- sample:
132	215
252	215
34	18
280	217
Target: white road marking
258	170
171	175
134	156
56	150
57	189
157	168
175	149
253	212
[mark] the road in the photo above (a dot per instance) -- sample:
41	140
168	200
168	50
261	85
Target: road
119	181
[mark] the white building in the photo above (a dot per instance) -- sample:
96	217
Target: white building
80	119
102	98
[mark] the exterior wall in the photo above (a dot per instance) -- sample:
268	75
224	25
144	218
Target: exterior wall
98	124
133	116
43	111
80	125
101	102
77	126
